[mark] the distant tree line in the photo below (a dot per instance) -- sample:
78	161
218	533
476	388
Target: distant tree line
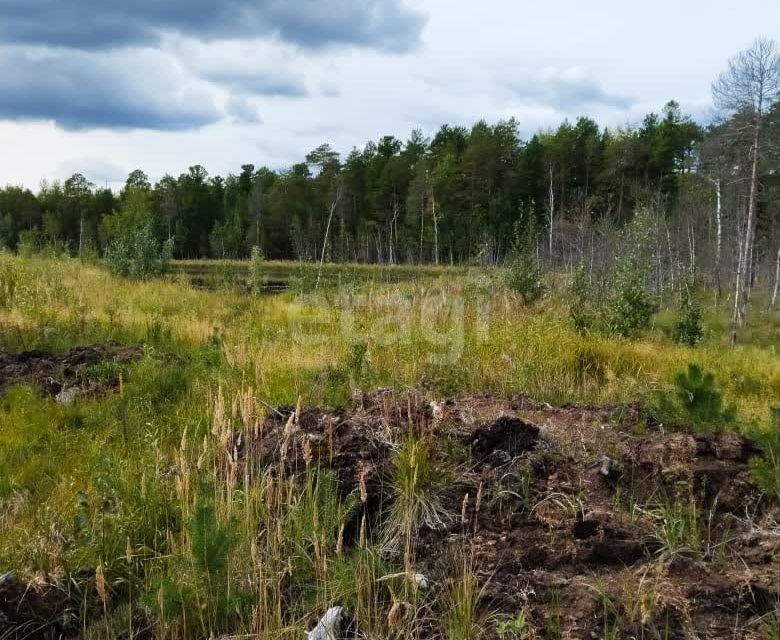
453	198
462	196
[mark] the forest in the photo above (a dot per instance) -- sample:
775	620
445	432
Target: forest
455	198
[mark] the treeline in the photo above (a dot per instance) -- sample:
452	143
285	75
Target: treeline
453	198
462	196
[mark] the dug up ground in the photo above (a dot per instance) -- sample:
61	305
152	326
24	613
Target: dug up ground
578	521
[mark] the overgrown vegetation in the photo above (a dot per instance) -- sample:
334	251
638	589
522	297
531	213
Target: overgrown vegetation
155	481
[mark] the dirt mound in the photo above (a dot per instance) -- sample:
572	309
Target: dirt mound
35	611
65	376
593	529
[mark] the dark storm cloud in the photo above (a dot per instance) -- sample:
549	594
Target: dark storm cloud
89	91
387	25
73	61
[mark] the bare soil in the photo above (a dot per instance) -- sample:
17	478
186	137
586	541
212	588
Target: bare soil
558	509
64	375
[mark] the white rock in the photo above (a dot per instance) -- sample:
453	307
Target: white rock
328	626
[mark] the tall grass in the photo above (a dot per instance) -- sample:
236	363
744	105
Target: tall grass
146	485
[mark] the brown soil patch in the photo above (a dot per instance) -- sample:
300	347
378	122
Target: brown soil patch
560	509
66	375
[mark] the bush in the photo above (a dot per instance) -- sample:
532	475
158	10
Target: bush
697	401
688	330
630	307
766	468
581	308
256	270
138	254
525	275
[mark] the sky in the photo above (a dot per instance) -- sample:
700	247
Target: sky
103	87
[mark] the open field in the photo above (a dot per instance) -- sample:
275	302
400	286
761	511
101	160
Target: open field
179	459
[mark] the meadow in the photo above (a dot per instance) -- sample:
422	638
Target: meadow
140	478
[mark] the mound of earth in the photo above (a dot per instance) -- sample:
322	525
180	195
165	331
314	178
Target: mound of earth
65	376
591	526
568	514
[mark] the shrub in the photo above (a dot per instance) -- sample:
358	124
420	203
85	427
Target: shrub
766	468
138	254
688	329
256	270
630	307
581	308
697	401
525	275
200	594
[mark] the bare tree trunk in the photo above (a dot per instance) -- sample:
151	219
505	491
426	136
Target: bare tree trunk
435	227
718	241
773	300
333	206
692	250
739	314
552	214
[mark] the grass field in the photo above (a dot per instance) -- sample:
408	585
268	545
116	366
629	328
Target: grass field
116	479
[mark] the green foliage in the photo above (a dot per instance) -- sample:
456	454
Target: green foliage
416	483
678	529
515	628
9	281
581	305
460	618
765	469
138	254
630	305
196	590
688	329
211	542
696	401
257	277
524	275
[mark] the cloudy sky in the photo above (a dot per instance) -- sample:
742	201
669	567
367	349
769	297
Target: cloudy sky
106	86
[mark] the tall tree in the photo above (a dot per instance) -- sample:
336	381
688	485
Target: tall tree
747	90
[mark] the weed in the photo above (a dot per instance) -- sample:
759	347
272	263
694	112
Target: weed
461	619
416	483
514	628
552	622
678	529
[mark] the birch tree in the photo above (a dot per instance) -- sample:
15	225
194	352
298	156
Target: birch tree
748	88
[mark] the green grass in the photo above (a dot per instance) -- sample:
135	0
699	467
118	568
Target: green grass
112	481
